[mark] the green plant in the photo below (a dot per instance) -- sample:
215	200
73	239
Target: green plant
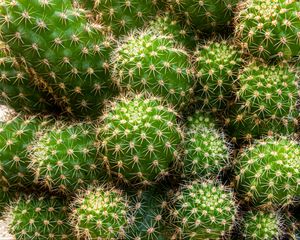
100	213
64	48
139	139
148	61
270	28
267	173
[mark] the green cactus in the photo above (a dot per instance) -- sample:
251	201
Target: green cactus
65	50
269	29
266	102
148	61
15	138
208	15
259	225
216	64
267	173
201	119
19	89
122	16
206	152
139	139
147	215
65	159
100	213
40	218
204	210
7	196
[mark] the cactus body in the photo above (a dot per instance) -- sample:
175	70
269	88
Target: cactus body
67	51
266	102
147	61
217	65
269	29
204	210
40	218
100	213
65	157
268	172
139	139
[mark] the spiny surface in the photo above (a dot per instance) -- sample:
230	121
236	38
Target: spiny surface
216	64
19	89
204	210
15	138
269	29
67	51
148	61
100	213
40	218
139	138
258	225
205	147
268	172
65	157
266	102
205	15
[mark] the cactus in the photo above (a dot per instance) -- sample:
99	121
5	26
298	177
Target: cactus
19	89
63	48
65	159
122	16
7	196
139	139
267	173
40	218
216	64
147	61
204	210
147	215
201	119
266	102
206	152
269	29
259	225
208	15
100	213
15	138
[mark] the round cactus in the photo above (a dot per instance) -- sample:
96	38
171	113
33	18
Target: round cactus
217	64
65	158
40	218
204	210
148	61
100	213
139	139
268	172
15	138
201	119
258	225
65	50
266	102
205	15
206	152
270	28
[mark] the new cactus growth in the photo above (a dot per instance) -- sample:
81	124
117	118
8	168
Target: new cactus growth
148	61
205	15
206	152
267	173
40	218
266	102
216	64
64	48
270	28
204	210
19	89
259	225
100	213
65	159
15	138
139	139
